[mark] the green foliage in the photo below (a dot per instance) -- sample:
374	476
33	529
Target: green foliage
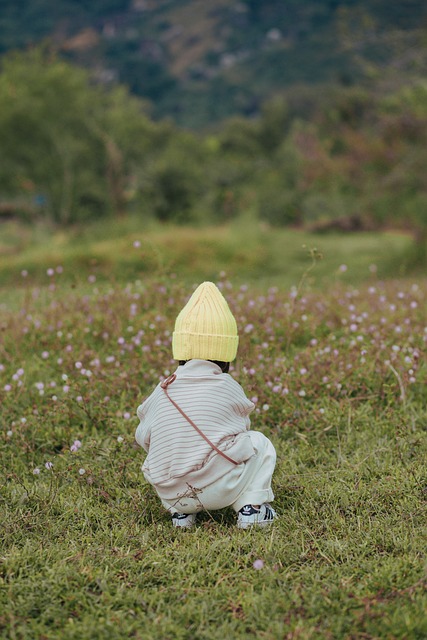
70	147
76	151
200	65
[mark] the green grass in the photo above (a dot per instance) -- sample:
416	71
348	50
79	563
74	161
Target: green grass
86	550
248	252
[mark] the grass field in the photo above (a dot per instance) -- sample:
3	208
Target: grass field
250	253
335	358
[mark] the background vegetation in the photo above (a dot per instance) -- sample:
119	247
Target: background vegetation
200	63
74	152
311	115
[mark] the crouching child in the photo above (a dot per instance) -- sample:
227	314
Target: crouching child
195	426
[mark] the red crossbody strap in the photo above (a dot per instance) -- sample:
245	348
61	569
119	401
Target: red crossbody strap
164	385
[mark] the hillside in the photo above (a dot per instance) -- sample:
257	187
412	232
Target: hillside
199	63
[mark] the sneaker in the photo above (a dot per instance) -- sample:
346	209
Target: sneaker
183	519
249	516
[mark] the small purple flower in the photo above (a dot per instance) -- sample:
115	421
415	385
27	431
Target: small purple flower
48	465
258	564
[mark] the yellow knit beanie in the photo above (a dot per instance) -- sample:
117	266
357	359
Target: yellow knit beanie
205	328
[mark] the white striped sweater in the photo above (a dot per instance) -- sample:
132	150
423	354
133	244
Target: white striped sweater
178	457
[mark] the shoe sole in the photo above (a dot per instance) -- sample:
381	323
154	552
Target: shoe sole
248	525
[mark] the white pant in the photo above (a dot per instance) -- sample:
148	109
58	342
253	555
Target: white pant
246	483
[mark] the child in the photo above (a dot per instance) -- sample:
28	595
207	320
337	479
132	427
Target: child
195	424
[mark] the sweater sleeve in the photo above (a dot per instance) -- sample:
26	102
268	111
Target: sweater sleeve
142	435
242	405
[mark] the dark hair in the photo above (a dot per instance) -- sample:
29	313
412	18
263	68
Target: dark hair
224	366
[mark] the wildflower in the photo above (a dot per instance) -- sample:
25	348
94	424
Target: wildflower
36	471
9	433
137	244
343	268
120	439
7	387
258	564
24	273
45	355
48	465
91	279
265	407
82	472
126	415
302	393
50	272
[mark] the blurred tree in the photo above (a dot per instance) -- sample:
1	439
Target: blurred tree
273	124
175	183
66	143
